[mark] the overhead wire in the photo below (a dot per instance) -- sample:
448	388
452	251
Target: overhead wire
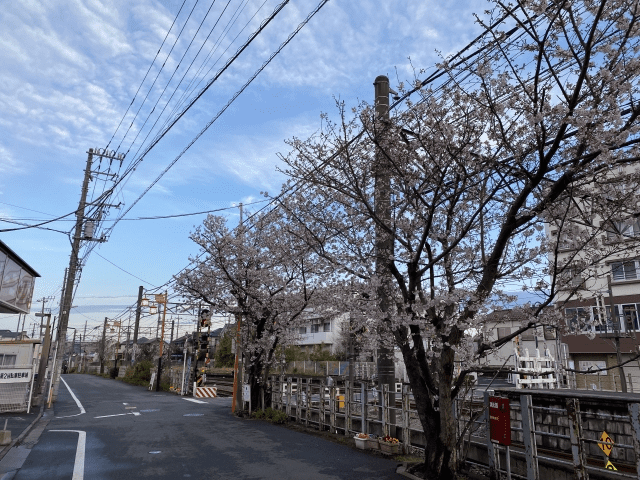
144	78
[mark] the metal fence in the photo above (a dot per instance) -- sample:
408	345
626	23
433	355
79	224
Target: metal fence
560	434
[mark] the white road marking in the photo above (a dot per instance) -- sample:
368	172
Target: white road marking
194	400
82	410
125	404
78	466
118	415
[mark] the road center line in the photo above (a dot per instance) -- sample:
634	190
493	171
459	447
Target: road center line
82	410
193	400
78	466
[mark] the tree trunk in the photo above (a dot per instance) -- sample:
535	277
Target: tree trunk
439	458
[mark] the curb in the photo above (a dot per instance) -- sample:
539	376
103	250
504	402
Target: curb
24	433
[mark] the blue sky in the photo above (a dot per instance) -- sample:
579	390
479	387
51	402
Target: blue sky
70	69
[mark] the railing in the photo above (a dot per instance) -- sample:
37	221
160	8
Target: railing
560	435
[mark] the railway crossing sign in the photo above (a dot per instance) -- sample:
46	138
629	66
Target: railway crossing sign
609	465
607	446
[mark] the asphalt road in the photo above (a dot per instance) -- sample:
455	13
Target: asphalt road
129	432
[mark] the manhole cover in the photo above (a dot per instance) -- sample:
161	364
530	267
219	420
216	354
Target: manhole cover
155	452
193	415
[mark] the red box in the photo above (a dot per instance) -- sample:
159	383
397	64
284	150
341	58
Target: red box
500	420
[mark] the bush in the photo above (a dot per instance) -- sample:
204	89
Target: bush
270	415
139	374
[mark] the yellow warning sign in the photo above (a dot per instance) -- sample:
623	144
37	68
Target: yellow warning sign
609	465
607	444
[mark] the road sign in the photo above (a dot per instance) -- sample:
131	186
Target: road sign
246	392
609	465
608	445
500	420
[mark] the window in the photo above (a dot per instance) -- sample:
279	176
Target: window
572	277
603	322
302	330
630	315
624	270
315	328
577	318
327	327
7	360
617	230
503	332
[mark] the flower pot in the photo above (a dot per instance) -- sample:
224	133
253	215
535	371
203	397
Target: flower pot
361	443
389	448
372	442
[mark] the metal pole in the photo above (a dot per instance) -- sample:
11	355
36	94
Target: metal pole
623	380
383	239
73	267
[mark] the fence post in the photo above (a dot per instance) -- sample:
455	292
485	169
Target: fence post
492	450
385	409
634	413
332	409
577	448
307	416
406	419
528	429
347	408
321	406
363	403
289	396
298	395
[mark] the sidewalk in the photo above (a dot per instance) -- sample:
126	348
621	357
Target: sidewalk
25	430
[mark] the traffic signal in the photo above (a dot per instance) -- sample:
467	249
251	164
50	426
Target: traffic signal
205	318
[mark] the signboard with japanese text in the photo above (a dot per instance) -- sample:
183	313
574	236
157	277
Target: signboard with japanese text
15	375
500	420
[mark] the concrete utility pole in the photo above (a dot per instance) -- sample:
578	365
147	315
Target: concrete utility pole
616	338
73	268
74	261
383	237
236	405
104	346
137	325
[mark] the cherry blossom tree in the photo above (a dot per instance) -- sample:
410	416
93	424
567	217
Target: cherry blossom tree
261	272
543	119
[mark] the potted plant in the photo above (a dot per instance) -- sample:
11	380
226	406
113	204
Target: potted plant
372	442
389	445
361	440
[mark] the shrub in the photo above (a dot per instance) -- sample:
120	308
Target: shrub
270	415
139	374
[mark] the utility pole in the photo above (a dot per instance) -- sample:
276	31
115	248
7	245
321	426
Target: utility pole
616	338
236	405
137	325
104	346
72	269
74	261
73	347
383	238
84	336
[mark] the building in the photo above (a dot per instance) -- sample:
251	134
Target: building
321	331
595	242
17	280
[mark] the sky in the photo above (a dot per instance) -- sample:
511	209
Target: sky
76	72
